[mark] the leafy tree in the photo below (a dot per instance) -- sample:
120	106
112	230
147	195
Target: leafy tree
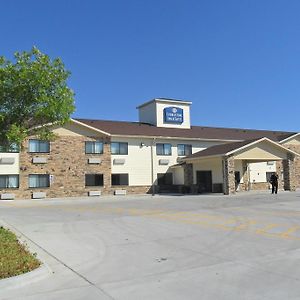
33	96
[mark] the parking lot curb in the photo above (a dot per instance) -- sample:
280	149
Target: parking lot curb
38	274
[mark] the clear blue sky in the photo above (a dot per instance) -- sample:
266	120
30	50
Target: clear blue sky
238	61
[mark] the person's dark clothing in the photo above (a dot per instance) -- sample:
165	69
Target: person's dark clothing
274	182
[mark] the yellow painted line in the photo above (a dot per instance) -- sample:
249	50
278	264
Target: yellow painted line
287	234
266	228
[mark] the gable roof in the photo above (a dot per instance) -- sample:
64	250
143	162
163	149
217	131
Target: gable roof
195	132
231	148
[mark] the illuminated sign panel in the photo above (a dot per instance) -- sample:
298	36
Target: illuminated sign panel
173	115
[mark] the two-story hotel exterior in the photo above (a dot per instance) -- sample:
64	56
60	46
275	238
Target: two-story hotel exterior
160	153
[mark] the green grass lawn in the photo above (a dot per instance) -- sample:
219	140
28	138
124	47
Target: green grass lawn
14	257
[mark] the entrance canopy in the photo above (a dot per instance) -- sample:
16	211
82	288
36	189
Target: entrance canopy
228	158
262	149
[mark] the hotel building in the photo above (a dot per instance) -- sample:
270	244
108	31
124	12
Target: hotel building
162	152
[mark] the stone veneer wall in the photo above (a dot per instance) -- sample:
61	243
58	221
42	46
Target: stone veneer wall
68	164
130	189
257	186
228	175
295	148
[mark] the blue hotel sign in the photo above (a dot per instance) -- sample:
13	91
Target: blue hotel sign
173	115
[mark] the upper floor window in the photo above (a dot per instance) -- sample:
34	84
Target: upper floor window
9	181
14	148
93	147
184	150
163	149
119	148
38	146
39	180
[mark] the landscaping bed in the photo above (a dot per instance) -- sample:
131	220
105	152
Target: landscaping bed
15	259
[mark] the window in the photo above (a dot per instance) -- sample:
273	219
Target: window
164	178
119	148
9	181
38	146
39	181
94	147
119	179
184	150
163	149
13	148
93	179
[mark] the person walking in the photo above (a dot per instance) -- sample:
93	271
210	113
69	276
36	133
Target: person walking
274	182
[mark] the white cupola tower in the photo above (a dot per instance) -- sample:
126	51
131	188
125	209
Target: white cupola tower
163	112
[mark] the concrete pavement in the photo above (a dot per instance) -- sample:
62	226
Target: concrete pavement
163	247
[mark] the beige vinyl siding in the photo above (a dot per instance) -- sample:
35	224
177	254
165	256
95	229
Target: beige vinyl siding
6	169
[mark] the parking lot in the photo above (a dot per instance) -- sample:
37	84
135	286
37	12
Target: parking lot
245	246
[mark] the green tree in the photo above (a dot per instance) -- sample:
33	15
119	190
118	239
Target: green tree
33	96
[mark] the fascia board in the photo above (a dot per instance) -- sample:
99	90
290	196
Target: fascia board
260	140
90	127
172	138
289	138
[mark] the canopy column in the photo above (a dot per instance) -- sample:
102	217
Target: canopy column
188	174
228	175
246	175
289	175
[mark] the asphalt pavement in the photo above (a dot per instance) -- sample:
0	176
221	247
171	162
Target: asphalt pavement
245	246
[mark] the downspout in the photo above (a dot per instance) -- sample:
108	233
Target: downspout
249	180
152	167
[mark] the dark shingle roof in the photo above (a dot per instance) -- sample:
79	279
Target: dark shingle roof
221	149
197	132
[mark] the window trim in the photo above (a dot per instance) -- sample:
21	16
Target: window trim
114	174
94	174
93	142
39	187
163	144
126	143
11	188
48	142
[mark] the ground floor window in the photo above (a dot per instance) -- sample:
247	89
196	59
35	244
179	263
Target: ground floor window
164	178
93	179
119	179
39	180
9	181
